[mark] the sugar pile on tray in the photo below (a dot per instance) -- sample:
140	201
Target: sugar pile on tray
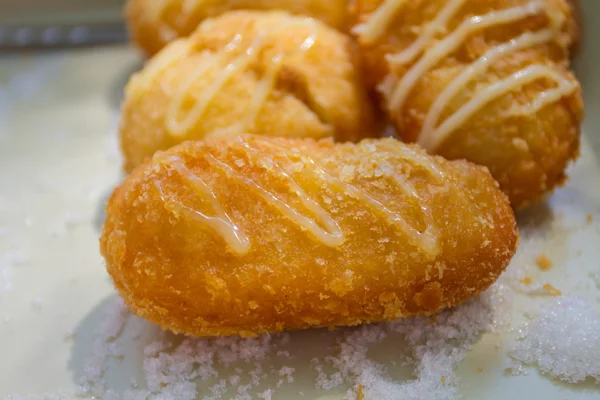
428	349
237	368
563	341
433	348
106	344
172	370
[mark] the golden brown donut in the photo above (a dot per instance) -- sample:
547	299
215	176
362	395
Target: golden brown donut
483	80
154	23
254	234
259	72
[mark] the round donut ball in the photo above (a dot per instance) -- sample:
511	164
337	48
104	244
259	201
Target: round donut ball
267	73
155	23
487	81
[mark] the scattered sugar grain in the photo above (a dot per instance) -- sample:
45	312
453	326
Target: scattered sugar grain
219	389
284	354
234	380
435	351
104	346
266	395
563	341
171	370
288	373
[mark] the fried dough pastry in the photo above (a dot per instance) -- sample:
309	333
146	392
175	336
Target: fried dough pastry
155	23
259	72
255	234
484	80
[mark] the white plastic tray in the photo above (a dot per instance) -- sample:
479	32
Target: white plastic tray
58	162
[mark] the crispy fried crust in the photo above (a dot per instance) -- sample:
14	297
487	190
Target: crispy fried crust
526	149
302	234
155	23
306	72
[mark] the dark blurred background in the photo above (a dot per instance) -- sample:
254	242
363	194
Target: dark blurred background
47	23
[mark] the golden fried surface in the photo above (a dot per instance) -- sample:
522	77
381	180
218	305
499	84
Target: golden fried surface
154	23
259	72
255	234
485	80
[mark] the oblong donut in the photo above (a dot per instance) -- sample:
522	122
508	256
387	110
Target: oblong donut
254	234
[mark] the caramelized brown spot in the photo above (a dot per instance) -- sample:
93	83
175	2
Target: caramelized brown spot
527	281
543	262
430	297
552	291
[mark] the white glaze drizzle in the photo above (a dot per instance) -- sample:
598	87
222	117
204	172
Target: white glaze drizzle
179	128
378	21
220	223
240	63
426	240
502	87
397	92
546	97
438	25
452	42
430	135
331	235
142	81
429	238
321	225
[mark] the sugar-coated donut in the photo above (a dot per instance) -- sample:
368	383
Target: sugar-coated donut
253	234
485	80
259	72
